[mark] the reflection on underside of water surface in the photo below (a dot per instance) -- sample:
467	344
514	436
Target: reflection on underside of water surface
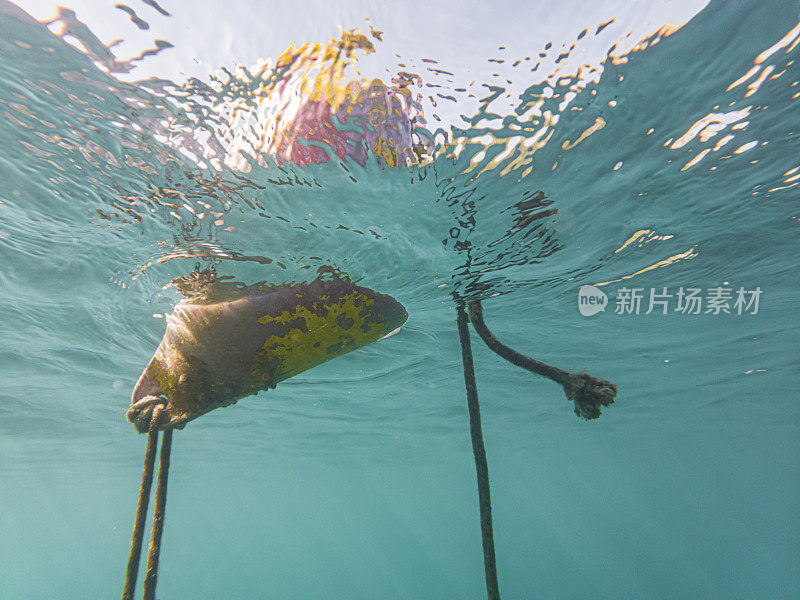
281	162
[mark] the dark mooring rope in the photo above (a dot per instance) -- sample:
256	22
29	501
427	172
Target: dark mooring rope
132	570
141	514
587	392
481	466
512	356
151	575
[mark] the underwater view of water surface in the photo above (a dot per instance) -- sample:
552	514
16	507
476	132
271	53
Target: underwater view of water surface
614	183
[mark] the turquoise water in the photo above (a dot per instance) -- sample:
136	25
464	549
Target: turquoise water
356	478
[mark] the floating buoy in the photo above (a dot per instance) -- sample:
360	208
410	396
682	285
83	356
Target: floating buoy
226	341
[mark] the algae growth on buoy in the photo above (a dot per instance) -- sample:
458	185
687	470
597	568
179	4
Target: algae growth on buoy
226	341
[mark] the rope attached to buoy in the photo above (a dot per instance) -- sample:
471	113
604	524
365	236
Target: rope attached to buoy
151	575
141	514
478	450
132	571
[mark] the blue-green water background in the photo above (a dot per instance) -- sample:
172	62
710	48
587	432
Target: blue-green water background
356	479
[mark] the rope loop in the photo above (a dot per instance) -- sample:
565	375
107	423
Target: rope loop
148	414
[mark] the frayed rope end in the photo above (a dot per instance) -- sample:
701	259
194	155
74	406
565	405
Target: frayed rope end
589	393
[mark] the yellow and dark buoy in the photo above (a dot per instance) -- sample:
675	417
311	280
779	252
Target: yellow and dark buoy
226	341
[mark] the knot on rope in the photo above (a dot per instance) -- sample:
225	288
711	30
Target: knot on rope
588	393
149	414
